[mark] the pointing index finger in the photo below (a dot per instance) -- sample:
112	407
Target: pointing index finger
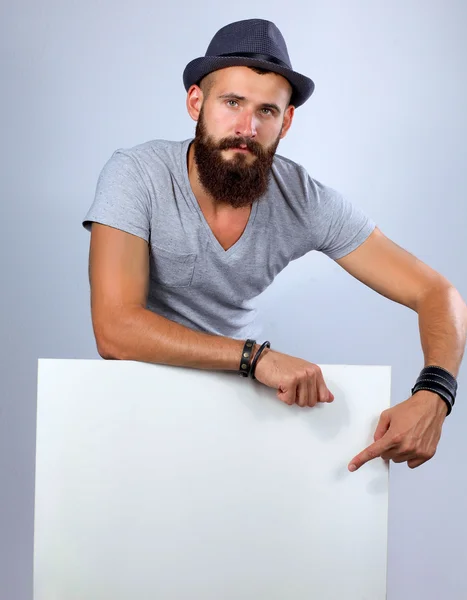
373	451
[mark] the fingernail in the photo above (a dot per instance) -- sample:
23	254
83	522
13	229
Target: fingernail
352	468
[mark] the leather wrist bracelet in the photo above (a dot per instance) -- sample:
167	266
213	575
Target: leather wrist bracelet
246	357
257	355
445	396
439	381
440	374
436	384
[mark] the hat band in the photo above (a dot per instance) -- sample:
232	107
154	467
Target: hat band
258	56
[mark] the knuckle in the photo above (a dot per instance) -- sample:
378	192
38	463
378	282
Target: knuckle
427	454
398	438
312	371
406	448
410	448
296	379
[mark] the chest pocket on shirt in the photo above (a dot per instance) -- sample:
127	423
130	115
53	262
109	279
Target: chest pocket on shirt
171	268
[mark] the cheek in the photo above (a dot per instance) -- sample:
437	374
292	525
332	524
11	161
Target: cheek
222	124
272	133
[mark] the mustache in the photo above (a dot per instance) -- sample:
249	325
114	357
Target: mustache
228	143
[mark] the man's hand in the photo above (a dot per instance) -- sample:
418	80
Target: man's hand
297	381
408	432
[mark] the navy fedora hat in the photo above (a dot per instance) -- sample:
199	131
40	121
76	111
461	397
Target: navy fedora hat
253	42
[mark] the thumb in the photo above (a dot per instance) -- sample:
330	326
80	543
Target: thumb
383	426
286	395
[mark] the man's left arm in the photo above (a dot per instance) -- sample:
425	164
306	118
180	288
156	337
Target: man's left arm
410	431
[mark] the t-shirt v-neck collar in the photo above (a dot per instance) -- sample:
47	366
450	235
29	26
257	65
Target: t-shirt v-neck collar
214	241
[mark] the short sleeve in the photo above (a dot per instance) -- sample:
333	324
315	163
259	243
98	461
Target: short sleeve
338	226
122	199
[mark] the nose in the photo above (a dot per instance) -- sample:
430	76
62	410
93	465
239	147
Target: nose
245	125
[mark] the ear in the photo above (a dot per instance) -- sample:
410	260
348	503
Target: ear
194	101
288	118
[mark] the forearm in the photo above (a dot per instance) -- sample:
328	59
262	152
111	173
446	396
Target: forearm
141	335
442	317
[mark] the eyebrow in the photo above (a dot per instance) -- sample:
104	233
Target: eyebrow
233	96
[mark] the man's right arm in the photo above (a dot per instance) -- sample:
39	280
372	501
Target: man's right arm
126	330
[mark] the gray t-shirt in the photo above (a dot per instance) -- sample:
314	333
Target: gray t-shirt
145	191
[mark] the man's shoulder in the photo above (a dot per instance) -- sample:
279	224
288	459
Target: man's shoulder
154	150
283	163
293	176
293	172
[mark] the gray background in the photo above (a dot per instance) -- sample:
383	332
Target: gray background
386	126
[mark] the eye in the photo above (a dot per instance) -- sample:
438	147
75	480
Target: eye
228	102
269	111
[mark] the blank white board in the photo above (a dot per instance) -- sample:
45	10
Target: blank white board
157	482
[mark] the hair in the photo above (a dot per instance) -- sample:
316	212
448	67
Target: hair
207	82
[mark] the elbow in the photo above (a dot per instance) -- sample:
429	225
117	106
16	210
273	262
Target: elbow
114	335
105	352
441	291
105	343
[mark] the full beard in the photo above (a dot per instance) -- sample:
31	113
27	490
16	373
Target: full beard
237	181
